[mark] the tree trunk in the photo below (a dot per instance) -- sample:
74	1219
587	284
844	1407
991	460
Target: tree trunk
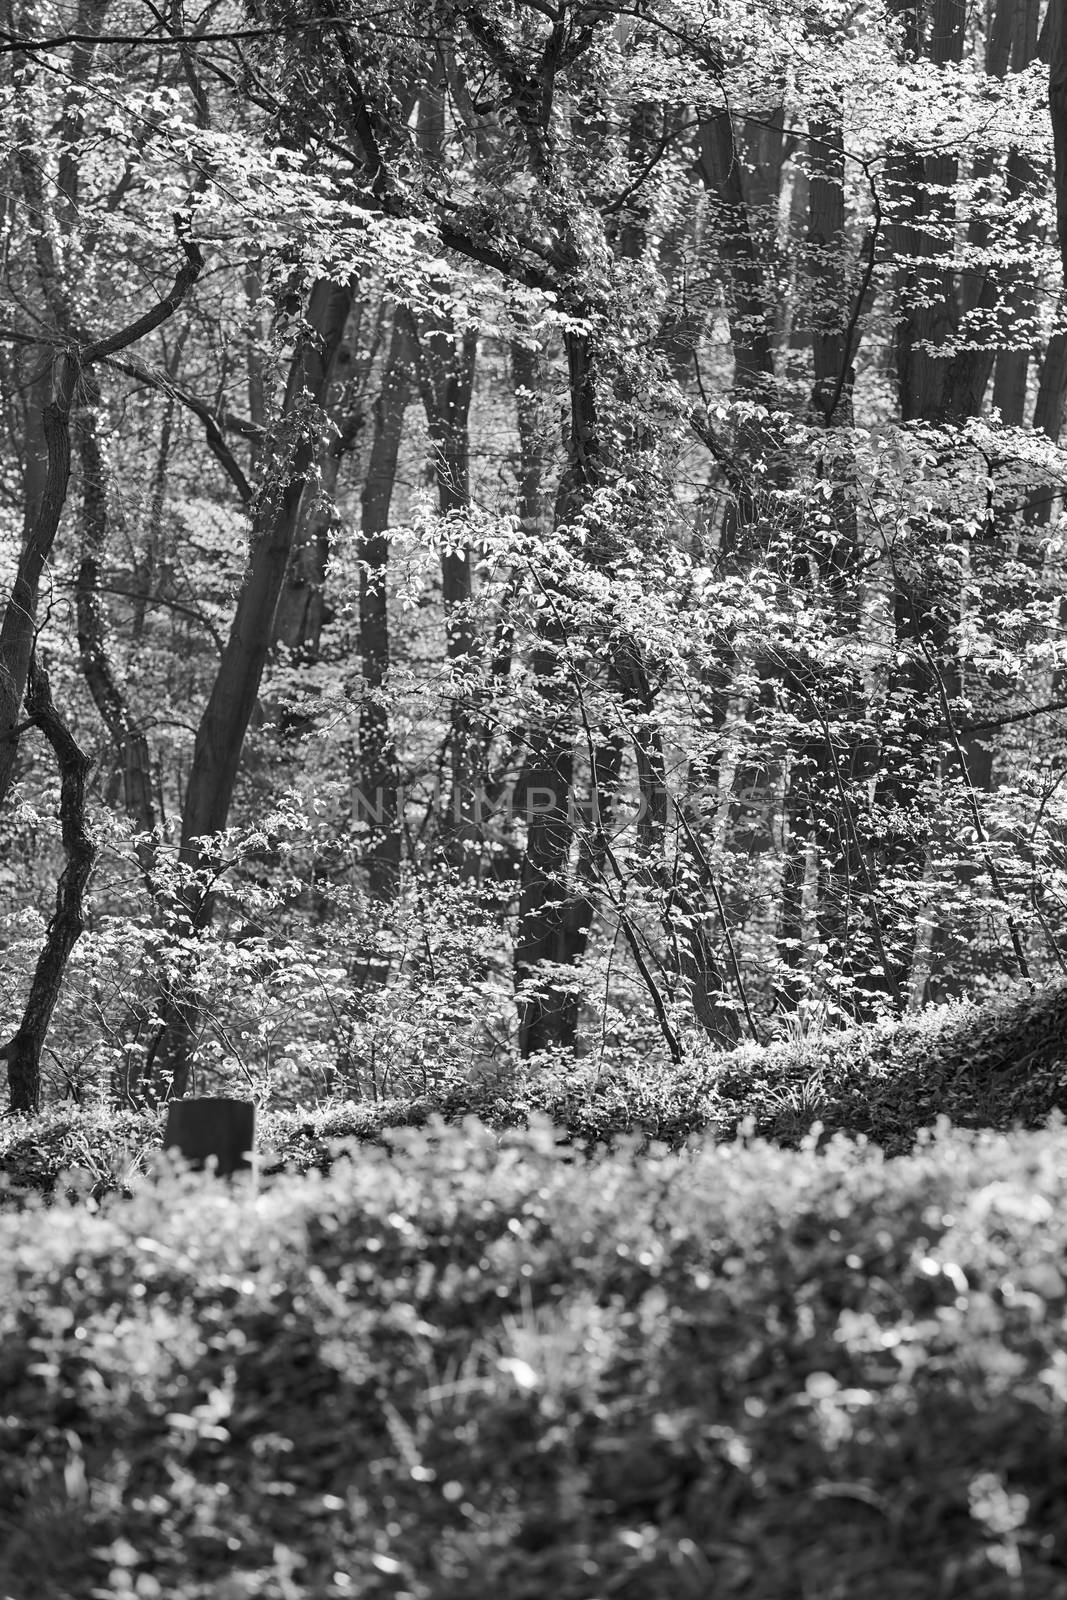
833	754
1048	419
302	607
23	1052
378	793
446	382
1057	104
750	328
301	612
553	921
127	737
224	722
920	199
48	473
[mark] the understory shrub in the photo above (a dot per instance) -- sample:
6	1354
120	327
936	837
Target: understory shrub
999	1065
473	1364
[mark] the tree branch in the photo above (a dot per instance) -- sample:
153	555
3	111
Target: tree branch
11	43
133	368
187	276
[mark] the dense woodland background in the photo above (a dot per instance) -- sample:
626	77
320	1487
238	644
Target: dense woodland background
526	530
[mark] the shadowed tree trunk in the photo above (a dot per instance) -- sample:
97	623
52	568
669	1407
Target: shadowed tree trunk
378	797
303	610
302	607
290	456
127	736
552	925
445	366
719	166
1014	42
920	192
1056	24
832	756
23	1051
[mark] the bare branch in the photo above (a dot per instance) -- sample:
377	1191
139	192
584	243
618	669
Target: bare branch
187	276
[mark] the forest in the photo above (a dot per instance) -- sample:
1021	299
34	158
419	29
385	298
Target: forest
527	532
533	662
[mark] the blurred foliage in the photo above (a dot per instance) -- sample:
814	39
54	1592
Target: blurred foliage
471	1363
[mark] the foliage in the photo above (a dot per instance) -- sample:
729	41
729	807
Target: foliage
998	1066
480	1363
550	527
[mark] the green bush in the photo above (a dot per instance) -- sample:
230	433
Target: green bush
475	1365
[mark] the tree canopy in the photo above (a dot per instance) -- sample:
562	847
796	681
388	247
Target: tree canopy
526	529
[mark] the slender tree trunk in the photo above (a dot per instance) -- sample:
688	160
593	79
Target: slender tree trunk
933	388
534	504
48	474
834	755
378	780
1057	102
744	460
303	609
553	921
750	327
920	199
127	736
749	314
224	722
23	1051
792	948
1048	419
446	381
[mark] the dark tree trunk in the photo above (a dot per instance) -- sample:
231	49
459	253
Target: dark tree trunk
127	737
302	607
48	473
226	717
554	919
1048	419
446	381
1057	103
920	194
750	327
748	311
378	786
23	1052
534	503
832	752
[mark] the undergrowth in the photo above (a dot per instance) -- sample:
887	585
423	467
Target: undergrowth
998	1066
472	1364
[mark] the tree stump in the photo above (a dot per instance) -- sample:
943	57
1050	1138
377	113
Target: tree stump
225	1129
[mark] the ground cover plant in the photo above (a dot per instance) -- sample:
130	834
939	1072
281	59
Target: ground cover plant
998	1066
472	1363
